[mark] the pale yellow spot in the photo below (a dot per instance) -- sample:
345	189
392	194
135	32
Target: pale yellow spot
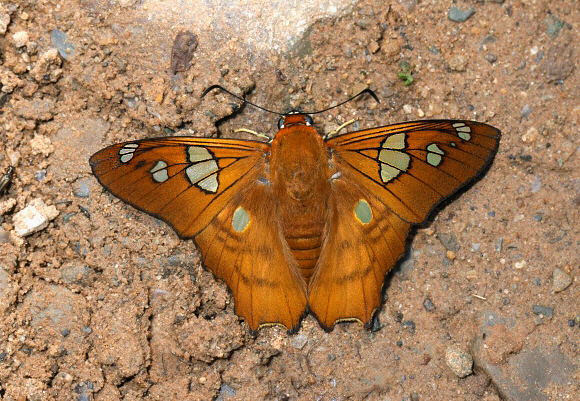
388	173
197	172
126	157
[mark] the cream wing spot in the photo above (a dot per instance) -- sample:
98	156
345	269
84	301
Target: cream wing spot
159	171
204	169
388	173
127	152
393	161
463	131
396	141
198	154
434	155
210	183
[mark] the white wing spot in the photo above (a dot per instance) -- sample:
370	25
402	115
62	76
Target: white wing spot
434	155
393	161
159	171
127	152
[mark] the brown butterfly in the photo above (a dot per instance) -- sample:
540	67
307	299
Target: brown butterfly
303	224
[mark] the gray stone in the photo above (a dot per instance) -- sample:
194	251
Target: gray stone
543	310
457	15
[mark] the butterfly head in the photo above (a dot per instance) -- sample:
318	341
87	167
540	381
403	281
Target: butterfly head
294	117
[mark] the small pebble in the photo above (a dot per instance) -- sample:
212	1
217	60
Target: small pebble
20	38
471	274
460	362
33	218
543	310
450	255
498	244
560	280
520	265
409	325
81	188
227	391
429	305
536	184
491	58
4	20
526	111
59	40
457	15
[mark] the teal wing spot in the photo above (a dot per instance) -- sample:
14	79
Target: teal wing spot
240	220
363	212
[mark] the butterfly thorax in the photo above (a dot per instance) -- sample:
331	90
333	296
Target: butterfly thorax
300	181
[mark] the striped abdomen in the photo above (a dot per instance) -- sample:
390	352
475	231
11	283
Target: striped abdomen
306	252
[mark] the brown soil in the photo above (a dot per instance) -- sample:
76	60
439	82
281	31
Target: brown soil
107	303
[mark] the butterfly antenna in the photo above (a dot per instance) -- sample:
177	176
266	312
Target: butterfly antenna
205	92
368	91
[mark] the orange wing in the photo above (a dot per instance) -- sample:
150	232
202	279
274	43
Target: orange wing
216	191
412	167
364	242
387	178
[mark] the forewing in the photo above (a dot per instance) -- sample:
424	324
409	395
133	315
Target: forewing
183	181
411	167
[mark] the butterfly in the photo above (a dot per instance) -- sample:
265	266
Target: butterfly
304	223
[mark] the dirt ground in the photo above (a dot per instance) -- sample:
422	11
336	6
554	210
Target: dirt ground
104	302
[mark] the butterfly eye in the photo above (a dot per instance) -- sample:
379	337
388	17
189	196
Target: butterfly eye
281	122
308	120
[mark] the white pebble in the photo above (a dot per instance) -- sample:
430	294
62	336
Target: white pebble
20	38
33	218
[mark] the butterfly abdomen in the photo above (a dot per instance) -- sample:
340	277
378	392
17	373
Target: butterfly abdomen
306	251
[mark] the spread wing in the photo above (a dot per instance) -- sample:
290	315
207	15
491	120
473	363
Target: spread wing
386	179
215	191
